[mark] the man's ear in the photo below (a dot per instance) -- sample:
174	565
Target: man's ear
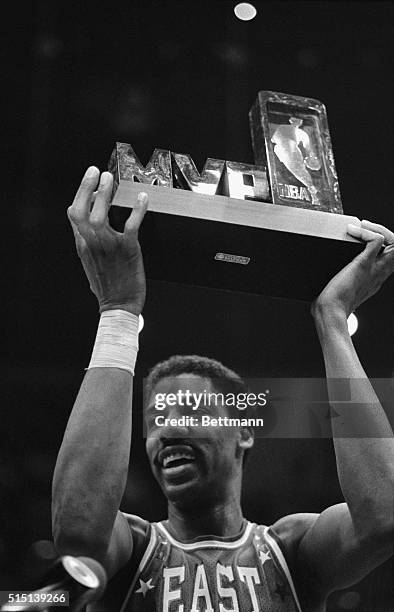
246	438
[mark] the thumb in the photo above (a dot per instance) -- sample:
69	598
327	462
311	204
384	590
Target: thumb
373	247
374	240
136	217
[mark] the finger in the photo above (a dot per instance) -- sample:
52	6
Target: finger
99	213
81	205
362	233
80	241
373	247
376	227
134	221
387	259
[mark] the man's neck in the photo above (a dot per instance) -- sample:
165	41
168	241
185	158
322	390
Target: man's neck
219	519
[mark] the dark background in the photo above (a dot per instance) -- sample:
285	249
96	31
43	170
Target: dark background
180	76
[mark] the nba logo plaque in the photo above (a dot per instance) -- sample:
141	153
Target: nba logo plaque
280	218
290	137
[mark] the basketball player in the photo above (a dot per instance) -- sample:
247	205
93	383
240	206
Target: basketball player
206	557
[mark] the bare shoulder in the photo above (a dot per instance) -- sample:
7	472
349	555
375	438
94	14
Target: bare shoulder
130	537
120	547
290	531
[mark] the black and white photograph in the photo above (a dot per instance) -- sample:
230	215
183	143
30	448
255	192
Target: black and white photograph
198	291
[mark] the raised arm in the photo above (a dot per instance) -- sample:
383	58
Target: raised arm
91	468
345	542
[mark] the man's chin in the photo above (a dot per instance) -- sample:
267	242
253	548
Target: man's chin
180	485
184	494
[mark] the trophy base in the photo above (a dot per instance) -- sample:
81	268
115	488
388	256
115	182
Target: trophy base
239	245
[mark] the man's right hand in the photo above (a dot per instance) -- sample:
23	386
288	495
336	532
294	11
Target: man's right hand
112	260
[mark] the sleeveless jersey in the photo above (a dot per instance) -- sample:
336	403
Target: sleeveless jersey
247	573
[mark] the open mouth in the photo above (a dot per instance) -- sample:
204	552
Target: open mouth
173	457
177	459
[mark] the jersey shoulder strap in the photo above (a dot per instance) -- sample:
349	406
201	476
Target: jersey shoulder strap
274	544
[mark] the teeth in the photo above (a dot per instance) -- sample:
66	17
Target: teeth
174	456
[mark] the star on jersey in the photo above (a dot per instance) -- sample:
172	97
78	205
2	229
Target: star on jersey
264	556
145	586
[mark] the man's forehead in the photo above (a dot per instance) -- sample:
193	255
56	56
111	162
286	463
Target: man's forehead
182	382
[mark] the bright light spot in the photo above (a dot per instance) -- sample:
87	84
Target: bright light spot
352	324
140	323
245	11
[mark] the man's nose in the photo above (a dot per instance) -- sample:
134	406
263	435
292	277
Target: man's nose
177	422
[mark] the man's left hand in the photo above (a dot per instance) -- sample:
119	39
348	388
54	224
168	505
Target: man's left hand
363	276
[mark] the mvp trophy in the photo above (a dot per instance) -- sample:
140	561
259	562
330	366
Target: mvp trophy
275	228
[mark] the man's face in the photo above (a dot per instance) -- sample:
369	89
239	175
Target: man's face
190	462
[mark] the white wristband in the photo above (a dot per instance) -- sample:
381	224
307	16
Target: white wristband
116	344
